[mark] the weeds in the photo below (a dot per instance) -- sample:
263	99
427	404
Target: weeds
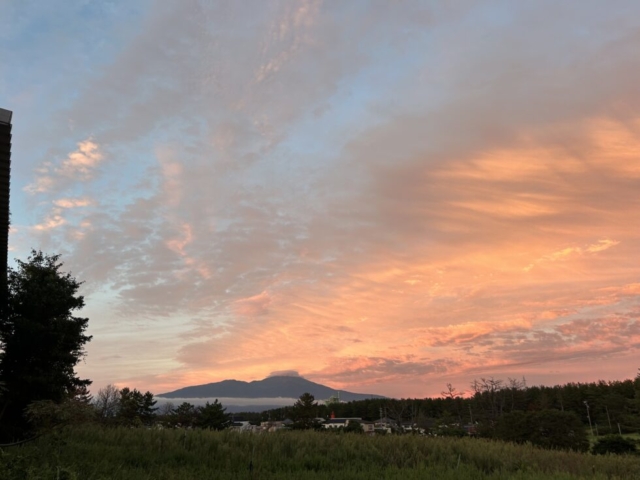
96	453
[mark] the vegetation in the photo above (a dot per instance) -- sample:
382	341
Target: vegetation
41	341
132	408
354	427
616	444
135	407
304	412
93	452
613	407
552	429
213	416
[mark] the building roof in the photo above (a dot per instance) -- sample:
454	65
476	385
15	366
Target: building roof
5	116
334	421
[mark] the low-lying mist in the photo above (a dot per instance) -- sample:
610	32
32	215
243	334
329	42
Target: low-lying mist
232	404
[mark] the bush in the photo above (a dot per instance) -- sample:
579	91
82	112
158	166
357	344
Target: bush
551	429
613	444
354	427
558	429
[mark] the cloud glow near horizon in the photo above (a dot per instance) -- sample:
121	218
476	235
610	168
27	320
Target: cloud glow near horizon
384	197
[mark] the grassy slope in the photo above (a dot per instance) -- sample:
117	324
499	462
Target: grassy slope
95	453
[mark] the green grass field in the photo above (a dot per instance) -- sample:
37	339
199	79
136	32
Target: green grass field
93	453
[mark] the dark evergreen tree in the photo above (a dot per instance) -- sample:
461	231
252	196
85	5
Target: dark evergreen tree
136	408
185	415
614	444
213	416
304	411
552	429
40	339
514	427
558	430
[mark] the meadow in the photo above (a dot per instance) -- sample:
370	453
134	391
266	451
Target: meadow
94	453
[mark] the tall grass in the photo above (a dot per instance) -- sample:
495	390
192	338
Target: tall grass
92	452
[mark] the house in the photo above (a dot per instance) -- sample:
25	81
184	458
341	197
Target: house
410	427
385	423
341	422
240	425
368	427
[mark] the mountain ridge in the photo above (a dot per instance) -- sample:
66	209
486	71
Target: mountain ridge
275	386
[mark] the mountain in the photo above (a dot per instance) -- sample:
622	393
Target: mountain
270	387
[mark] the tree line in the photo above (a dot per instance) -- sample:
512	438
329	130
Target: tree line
125	407
610	407
553	417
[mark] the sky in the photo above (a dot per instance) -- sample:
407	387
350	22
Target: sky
382	196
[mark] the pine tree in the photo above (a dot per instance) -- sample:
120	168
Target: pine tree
304	411
213	416
40	339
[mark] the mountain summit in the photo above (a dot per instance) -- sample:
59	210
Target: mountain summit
271	387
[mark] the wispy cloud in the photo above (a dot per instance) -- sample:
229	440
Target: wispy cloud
79	165
73	202
559	255
395	195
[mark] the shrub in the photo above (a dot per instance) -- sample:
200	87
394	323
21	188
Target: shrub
553	429
354	427
614	444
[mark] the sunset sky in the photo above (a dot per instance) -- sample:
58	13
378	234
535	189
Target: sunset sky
383	196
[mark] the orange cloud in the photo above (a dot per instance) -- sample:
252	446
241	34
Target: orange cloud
81	163
73	202
179	244
599	246
474	215
53	221
253	306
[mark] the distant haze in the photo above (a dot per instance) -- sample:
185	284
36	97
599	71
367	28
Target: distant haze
232	404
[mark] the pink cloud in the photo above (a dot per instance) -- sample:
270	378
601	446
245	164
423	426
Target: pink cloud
473	214
254	305
73	202
79	165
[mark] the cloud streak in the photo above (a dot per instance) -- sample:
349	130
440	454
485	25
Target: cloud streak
385	199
